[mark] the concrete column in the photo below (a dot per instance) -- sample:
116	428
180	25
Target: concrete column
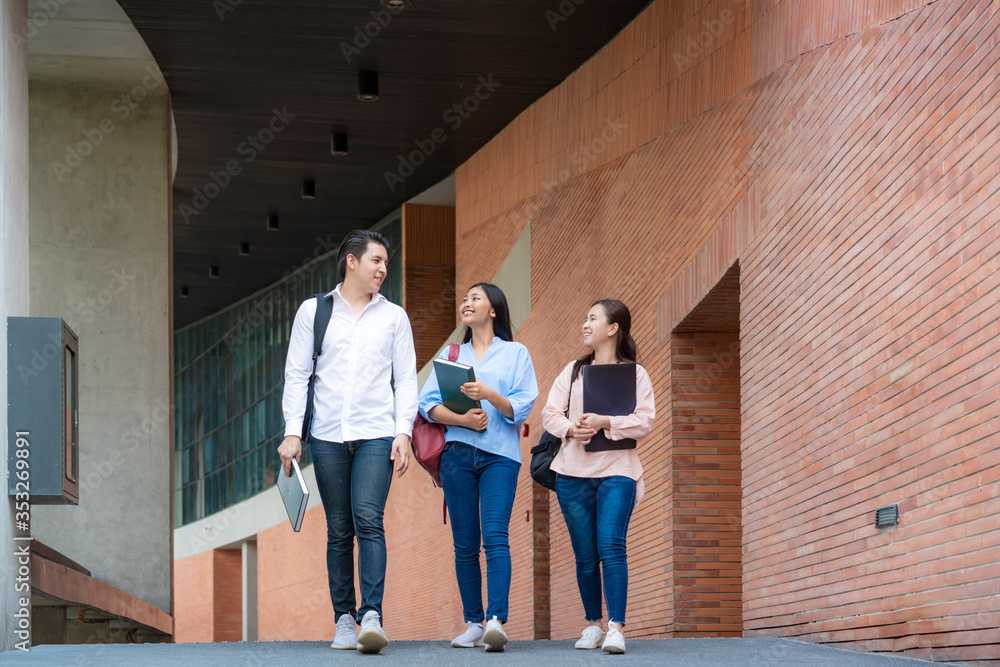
250	591
13	260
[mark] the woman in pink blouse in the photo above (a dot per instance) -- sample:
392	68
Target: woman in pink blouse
598	490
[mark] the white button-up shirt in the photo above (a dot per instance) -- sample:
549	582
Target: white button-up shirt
360	356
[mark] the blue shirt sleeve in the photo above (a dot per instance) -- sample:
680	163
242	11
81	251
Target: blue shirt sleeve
430	395
523	388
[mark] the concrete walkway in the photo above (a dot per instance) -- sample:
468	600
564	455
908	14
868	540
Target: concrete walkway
753	652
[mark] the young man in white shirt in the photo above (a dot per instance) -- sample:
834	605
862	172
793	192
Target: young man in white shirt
356	435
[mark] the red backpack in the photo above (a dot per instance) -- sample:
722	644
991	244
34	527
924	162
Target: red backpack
428	437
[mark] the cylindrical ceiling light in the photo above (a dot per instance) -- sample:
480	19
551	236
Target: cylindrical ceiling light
367	85
309	189
338	143
272	222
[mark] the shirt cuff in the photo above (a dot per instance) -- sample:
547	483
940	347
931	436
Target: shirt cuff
404	429
294	427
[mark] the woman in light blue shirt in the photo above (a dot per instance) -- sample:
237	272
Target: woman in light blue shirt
479	469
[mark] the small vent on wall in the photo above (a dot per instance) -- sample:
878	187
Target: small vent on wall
887	516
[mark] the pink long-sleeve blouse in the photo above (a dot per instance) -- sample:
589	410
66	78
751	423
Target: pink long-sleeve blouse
572	459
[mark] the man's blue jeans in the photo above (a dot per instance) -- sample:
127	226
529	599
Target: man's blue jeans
479	489
597	512
353	479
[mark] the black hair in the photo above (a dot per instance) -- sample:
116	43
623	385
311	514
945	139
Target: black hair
625	348
356	243
501	323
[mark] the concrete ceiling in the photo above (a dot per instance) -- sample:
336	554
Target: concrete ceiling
231	67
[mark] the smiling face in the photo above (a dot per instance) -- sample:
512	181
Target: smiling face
476	309
596	330
371	269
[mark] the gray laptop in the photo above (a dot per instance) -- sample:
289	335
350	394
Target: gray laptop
294	493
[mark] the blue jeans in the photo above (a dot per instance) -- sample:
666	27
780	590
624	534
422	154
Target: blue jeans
353	479
597	512
479	489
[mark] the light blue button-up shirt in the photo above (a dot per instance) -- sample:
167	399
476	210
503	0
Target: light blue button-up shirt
506	367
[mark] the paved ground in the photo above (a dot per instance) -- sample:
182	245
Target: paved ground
753	652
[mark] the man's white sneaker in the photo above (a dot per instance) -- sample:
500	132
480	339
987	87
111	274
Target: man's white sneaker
371	639
592	637
614	640
494	637
347	637
472	637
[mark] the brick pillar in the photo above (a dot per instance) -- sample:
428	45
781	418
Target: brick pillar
429	275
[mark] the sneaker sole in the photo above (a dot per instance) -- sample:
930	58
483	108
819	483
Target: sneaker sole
494	641
478	644
614	650
343	648
587	648
372	642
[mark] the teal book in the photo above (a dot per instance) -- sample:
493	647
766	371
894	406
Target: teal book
451	375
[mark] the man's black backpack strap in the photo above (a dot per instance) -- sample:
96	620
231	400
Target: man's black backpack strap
324	309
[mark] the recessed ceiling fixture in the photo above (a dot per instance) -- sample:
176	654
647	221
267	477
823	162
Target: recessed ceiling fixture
244	248
272	222
367	85
338	143
395	4
184	291
213	271
309	189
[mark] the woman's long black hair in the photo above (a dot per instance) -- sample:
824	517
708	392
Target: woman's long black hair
625	348
501	323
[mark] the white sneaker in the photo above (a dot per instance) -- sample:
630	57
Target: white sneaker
614	641
592	637
472	637
494	637
371	639
346	635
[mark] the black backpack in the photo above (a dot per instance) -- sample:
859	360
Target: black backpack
324	309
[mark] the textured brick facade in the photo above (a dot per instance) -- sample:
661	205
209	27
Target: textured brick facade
209	597
844	155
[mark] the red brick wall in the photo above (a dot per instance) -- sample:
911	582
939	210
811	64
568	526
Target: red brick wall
194	614
293	594
208	597
845	154
706	484
228	596
429	275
